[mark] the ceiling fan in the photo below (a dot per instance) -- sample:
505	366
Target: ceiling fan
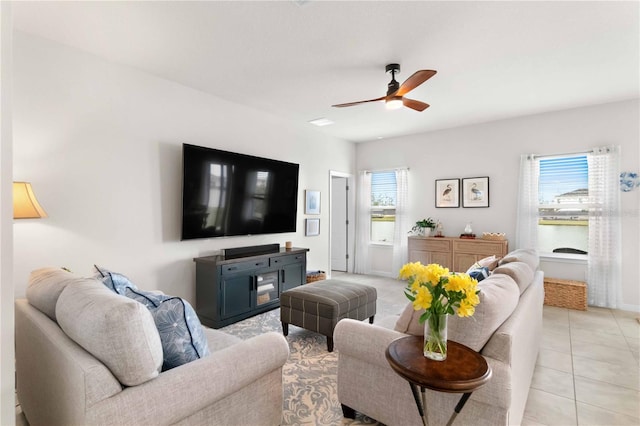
395	92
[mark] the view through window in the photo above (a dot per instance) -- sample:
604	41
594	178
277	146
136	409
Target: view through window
563	195
383	206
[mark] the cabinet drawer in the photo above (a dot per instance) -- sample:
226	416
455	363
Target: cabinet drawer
429	244
286	260
233	268
479	247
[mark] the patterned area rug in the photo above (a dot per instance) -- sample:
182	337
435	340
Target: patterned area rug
310	385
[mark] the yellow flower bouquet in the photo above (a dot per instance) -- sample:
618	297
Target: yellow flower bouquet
438	291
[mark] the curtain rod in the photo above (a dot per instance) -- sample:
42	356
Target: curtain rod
596	150
392	169
566	154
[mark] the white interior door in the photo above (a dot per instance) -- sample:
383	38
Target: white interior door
339	223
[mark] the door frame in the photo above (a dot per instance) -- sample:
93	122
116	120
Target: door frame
350	218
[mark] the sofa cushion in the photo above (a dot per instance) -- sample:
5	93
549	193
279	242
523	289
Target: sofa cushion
499	297
45	286
521	273
182	335
118	331
528	256
408	322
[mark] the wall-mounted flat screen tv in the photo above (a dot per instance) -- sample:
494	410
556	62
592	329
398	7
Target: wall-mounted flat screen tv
226	193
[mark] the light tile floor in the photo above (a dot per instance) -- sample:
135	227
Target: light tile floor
588	370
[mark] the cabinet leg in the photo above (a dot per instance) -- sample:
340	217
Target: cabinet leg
285	328
371	319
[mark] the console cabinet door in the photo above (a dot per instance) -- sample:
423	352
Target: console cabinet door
237	294
292	275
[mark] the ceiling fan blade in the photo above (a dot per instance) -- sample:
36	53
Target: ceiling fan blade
358	103
413	104
414	81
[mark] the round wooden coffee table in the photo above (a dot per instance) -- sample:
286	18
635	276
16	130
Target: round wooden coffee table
464	371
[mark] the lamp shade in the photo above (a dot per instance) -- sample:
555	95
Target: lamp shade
25	204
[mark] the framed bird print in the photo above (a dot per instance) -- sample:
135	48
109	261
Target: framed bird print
447	192
475	192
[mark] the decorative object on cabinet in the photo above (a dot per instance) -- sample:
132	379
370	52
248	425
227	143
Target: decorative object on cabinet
494	236
454	253
439	228
447	193
475	192
311	202
311	227
423	227
468	232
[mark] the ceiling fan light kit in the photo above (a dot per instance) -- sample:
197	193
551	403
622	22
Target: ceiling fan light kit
395	92
394	102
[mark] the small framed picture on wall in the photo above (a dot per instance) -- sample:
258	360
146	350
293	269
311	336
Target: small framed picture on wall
311	202
475	192
311	227
447	192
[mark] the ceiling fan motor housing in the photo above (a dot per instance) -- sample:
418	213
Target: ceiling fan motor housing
393	85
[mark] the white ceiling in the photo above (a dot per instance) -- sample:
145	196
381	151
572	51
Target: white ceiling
296	58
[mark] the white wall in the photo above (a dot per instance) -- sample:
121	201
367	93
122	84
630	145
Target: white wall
494	149
7	370
101	144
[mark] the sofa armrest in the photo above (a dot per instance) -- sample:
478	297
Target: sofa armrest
185	390
367	342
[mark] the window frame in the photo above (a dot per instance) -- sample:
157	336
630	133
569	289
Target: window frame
550	255
382	208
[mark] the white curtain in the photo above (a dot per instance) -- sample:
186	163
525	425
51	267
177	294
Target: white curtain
363	222
527	211
604	265
400	242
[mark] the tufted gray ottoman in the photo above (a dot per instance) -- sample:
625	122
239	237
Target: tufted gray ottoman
320	305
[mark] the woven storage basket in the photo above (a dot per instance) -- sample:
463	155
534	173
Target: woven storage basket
315	276
493	236
565	293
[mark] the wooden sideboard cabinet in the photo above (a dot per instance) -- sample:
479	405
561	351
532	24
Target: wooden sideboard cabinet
457	254
431	250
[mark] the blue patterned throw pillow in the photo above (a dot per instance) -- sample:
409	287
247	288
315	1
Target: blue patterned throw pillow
182	336
117	282
183	339
479	273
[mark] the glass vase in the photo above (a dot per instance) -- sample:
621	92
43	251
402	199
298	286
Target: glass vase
435	337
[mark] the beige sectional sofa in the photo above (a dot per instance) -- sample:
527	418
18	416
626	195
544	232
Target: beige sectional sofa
506	329
109	372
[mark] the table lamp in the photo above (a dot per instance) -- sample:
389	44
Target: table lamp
25	204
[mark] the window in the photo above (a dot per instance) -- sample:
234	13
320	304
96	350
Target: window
563	205
383	206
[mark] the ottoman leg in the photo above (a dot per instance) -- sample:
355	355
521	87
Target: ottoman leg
285	328
330	344
348	412
371	319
